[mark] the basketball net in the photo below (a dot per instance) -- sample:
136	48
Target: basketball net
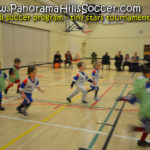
86	29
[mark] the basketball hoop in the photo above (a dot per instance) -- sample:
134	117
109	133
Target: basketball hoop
86	29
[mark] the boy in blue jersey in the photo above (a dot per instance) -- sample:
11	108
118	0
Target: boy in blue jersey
26	89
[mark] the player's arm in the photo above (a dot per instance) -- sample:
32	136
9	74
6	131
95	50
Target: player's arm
38	87
93	77
75	79
6	78
21	88
11	73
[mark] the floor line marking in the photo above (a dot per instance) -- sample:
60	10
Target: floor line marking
69	127
51	124
34	127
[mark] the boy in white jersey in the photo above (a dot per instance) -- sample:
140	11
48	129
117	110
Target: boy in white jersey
79	80
95	78
26	89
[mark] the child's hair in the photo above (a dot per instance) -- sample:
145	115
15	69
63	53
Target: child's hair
79	64
146	70
17	60
96	63
30	69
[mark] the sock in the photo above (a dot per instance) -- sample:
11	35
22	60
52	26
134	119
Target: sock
140	129
90	90
144	135
9	86
21	105
96	92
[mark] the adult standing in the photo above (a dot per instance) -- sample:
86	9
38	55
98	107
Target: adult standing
118	61
94	57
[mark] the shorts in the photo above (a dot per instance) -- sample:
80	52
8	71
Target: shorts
132	99
94	87
28	99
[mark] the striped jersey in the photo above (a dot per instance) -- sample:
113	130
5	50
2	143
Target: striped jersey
80	78
96	76
29	85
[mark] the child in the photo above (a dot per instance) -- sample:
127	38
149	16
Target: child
26	89
79	80
95	78
14	75
3	77
141	94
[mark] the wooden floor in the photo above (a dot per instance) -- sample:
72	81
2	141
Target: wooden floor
53	124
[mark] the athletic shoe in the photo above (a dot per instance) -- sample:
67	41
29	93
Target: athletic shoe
68	99
85	102
24	112
2	108
19	109
97	98
144	144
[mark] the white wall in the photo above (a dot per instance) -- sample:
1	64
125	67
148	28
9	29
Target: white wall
111	38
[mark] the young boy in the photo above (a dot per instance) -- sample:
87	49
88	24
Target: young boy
79	80
95	78
141	94
3	77
14	75
26	89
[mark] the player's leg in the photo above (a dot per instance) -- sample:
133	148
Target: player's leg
145	132
72	95
9	86
129	98
1	107
84	93
18	82
29	101
21	106
96	93
92	89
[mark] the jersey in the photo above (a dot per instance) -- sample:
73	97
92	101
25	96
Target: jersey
28	85
14	71
95	76
80	78
142	92
3	77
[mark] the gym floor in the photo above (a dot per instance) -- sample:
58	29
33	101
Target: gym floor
57	125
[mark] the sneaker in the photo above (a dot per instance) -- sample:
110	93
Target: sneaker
18	92
97	98
144	144
5	91
19	110
68	99
2	108
120	98
24	112
85	102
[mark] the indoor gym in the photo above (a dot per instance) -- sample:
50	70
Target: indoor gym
52	123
